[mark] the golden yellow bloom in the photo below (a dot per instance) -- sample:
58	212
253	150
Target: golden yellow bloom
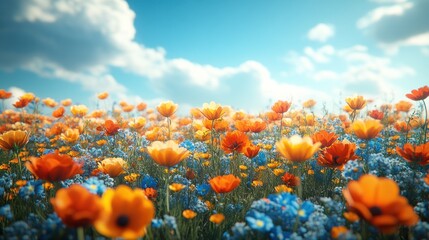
113	166
212	111
296	148
167	109
356	103
13	140
309	103
217	218
49	102
137	123
367	129
167	154
176	187
257	183
131	177
282	188
71	135
278	171
79	110
103	95
189	214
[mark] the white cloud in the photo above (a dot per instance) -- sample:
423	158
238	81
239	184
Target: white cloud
321	32
302	64
425	51
377	14
320	55
325	75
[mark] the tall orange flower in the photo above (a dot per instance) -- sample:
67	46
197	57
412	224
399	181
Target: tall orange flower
167	154
376	114
356	103
367	129
110	128
113	166
13	140
337	155
126	213
281	106
167	109
325	138
21	103
59	112
5	94
415	153
234	141
49	102
377	201
257	125
250	150
79	110
76	206
418	94
242	125
225	183
212	111
54	167
103	95
403	106
296	148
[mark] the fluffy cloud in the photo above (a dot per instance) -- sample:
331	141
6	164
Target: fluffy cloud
320	55
321	32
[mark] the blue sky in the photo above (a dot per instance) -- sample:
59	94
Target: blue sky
246	54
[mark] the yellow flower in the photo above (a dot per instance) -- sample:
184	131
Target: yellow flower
356	103
217	218
113	166
79	110
176	187
71	135
167	109
282	188
167	154
257	183
367	129
189	214
296	148
212	111
13	139
278	171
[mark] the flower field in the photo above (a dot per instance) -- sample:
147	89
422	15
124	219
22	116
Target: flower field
130	172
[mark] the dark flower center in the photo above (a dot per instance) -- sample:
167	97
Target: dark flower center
122	220
375	211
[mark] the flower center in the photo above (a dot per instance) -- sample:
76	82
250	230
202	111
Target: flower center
375	211
122	220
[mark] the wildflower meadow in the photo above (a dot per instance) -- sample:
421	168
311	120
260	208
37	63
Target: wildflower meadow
68	171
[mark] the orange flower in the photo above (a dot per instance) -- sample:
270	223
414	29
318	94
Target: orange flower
212	111
128	108
273	116
242	125
376	114
356	103
217	218
426	179
49	102
220	124
76	206
151	193
167	109
337	231
167	154
113	166
79	110
402	126
257	126
137	123
309	103
297	149
403	106
377	201
59	112
53	167
103	95
337	155
415	153
367	129
281	106
71	135
4	94
13	140
326	139
110	128
141	106
21	103
126	213
291	180
28	96
176	187
66	102
225	183
250	151
418	94
189	214
234	141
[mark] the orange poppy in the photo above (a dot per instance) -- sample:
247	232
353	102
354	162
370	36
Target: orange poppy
418	94
113	166
242	125
325	138
79	110
28	96
225	183
167	109
415	153
54	167
184	121
367	129
66	102
250	150
128	108
110	128
137	123
14	140
219	125
151	193
376	114
176	187
189	214
49	102
141	106
4	94
234	141
212	111
337	155
290	180
59	112
76	206
21	103
356	103
281	106
196	113
103	95
273	116
167	154
257	125
402	126
309	103
238	116
337	231
126	213
296	148
71	135
403	106
377	200
217	218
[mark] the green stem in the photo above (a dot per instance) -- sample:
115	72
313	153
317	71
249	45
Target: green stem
167	191
80	233
425	125
298	174
169	128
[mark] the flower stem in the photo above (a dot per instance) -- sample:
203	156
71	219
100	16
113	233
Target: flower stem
80	233
167	191
425	125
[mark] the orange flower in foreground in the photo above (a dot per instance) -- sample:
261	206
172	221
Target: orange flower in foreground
325	138
418	94
212	111
234	141
103	95
21	103
257	125
250	150
76	206
281	106
367	129
403	106
126	213
337	155
53	167
167	154
376	114
296	148
415	153
356	103
4	94
113	166
13	140
59	112
377	201
167	109
225	183
290	180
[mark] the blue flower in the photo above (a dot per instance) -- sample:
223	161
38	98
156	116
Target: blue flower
94	185
149	182
259	221
157	223
188	144
260	159
6	212
203	189
32	188
307	208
